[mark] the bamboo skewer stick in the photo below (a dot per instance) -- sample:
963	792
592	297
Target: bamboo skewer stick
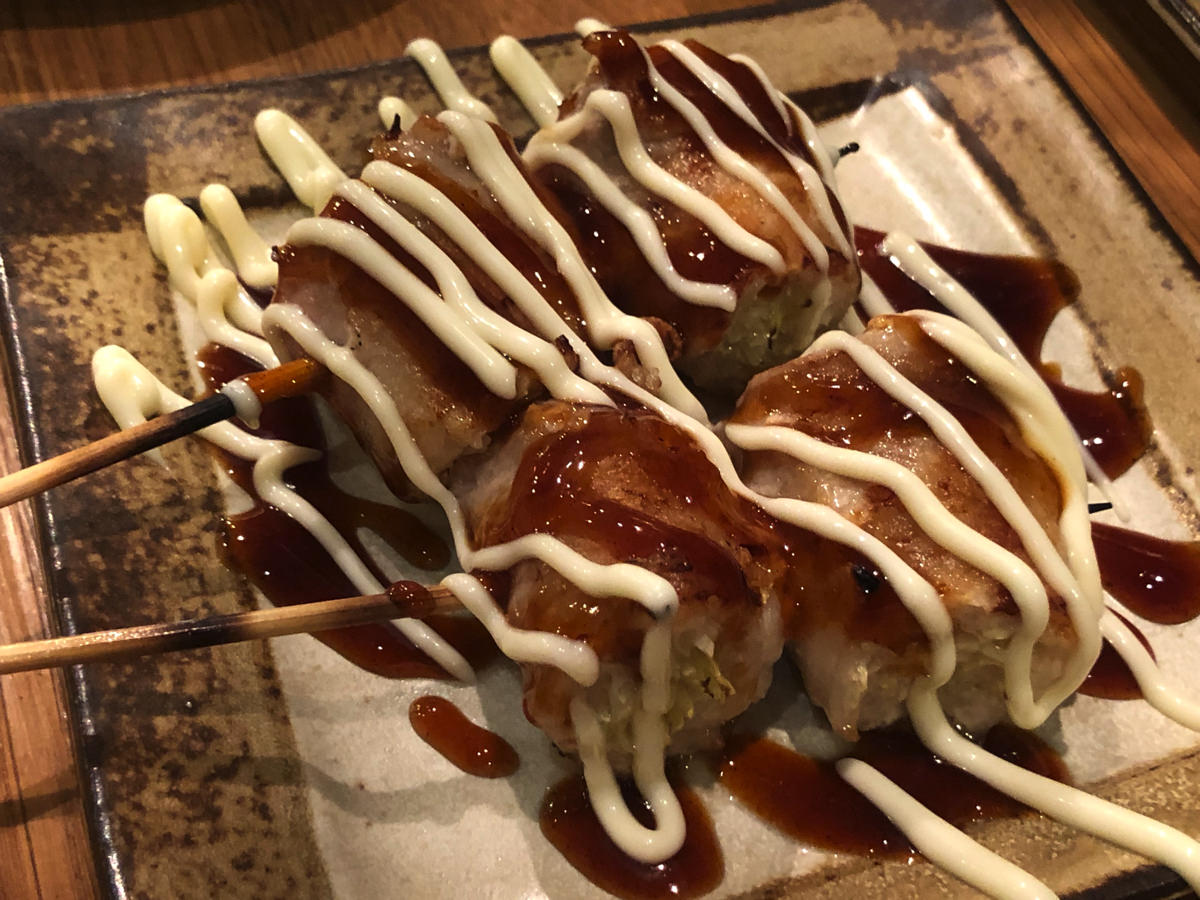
289	380
403	600
301	376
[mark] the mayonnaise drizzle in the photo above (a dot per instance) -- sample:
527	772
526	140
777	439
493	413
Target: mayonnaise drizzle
814	182
614	107
1149	677
907	255
251	255
392	107
449	325
736	164
529	81
433	60
606	322
637	221
247	406
825	156
604	794
872	299
575	658
1047	431
551	145
522	346
941	842
588	25
133	394
309	171
217	294
1068	805
178	240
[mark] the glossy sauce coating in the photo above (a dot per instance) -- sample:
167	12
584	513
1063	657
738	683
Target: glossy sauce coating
807	799
475	750
625	486
1024	295
289	566
1157	579
695	251
569	824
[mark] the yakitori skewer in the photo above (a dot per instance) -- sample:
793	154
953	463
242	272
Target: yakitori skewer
297	377
404	599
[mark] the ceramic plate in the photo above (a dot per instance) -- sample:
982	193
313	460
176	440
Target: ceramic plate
263	770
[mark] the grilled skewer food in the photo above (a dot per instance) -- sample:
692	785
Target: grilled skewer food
931	486
497	349
702	197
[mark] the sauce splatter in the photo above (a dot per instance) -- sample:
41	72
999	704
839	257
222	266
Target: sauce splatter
806	798
290	566
569	824
1157	579
474	749
1111	677
1024	294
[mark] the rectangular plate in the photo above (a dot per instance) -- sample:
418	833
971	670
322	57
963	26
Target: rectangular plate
260	770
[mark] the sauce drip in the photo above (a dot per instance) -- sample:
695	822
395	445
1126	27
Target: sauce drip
294	419
806	798
569	824
1110	677
290	566
1157	579
475	750
1024	295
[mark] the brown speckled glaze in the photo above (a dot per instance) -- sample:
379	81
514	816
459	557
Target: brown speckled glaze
198	788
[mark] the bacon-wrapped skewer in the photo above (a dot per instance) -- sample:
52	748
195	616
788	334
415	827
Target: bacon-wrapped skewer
443	295
702	197
625	486
607	538
903	431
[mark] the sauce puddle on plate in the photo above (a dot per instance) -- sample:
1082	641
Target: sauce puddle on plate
568	822
806	798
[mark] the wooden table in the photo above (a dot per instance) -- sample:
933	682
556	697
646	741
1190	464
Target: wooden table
1139	88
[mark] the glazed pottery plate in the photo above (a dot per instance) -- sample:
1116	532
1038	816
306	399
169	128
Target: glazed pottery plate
280	769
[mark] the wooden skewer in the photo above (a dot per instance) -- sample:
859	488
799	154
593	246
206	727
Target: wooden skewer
403	600
289	380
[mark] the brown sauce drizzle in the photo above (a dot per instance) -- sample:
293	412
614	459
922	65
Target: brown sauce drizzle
427	150
695	251
1024	295
1157	579
806	798
474	749
290	566
568	822
1110	677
